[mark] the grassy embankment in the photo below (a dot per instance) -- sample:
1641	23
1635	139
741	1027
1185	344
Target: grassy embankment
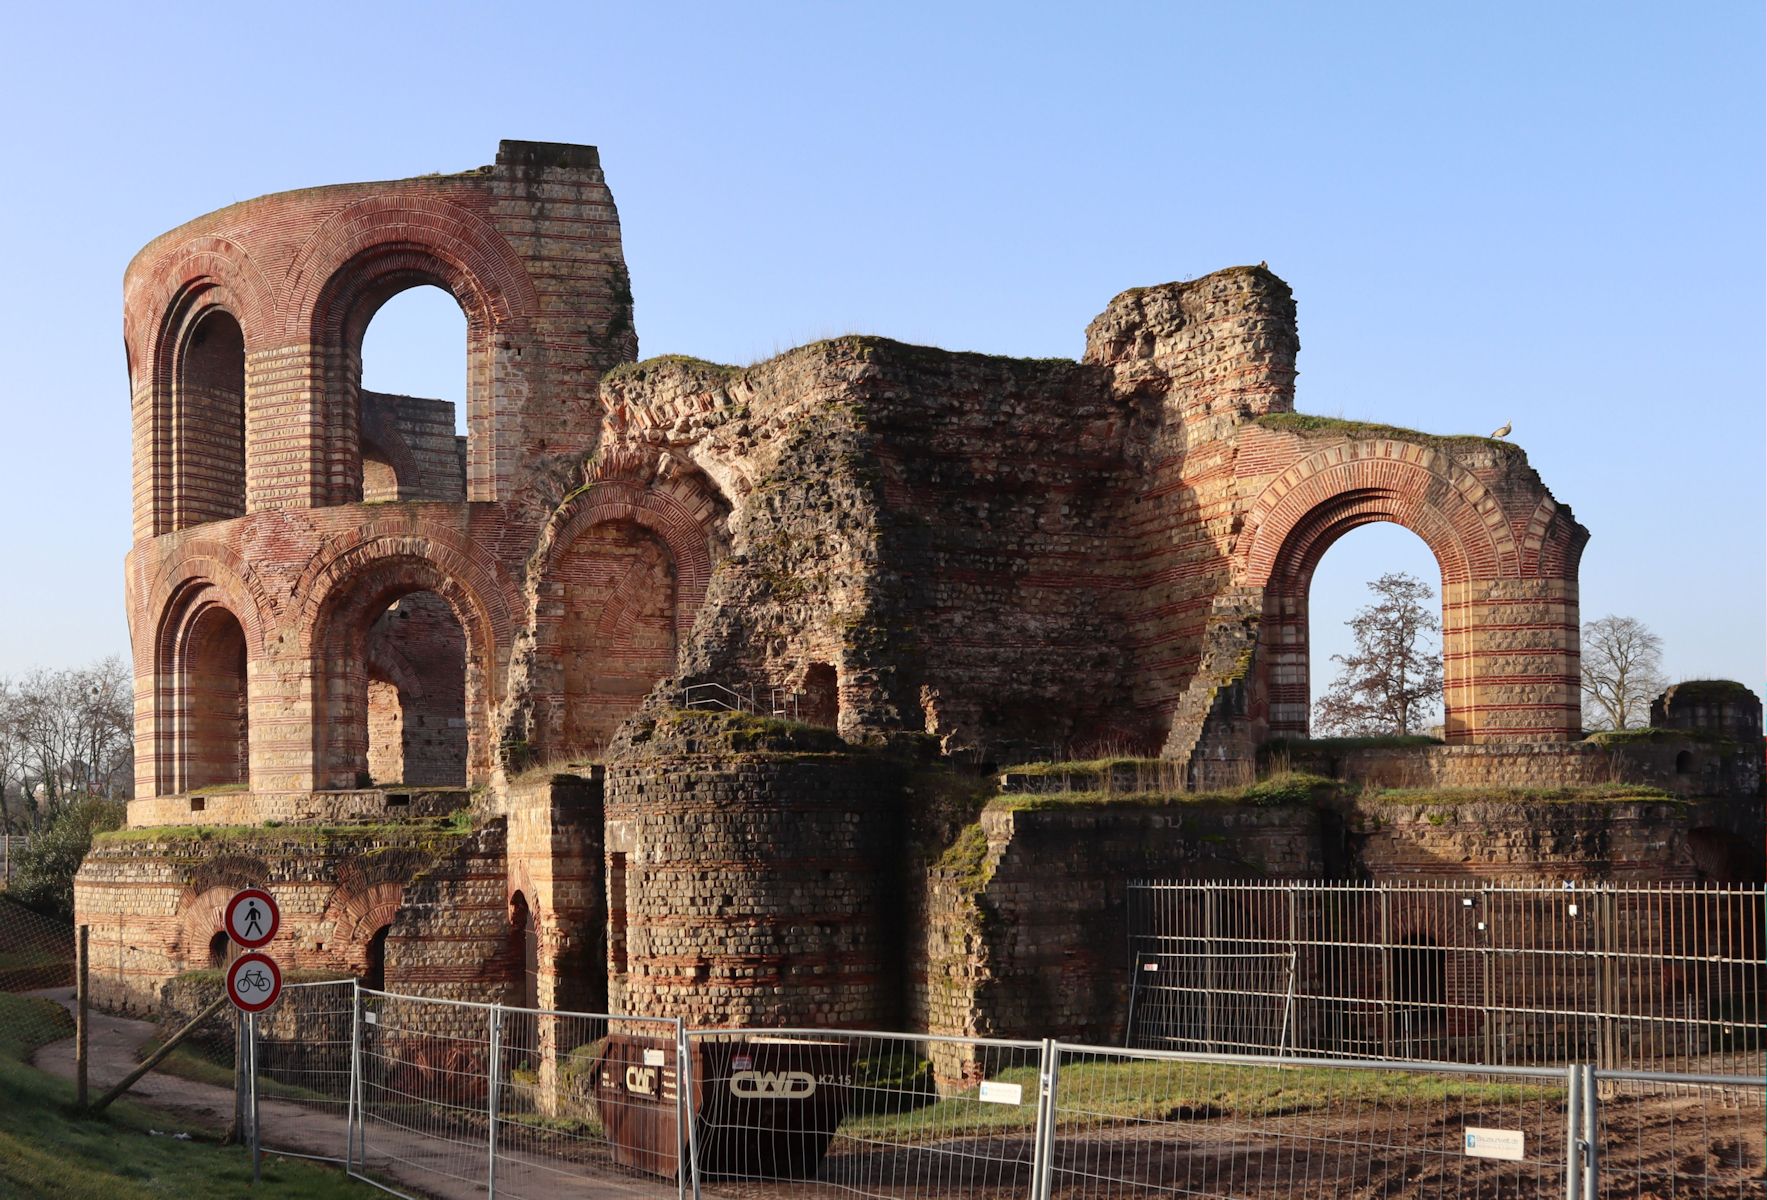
48	1150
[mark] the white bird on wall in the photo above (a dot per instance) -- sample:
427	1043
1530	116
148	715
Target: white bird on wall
1503	432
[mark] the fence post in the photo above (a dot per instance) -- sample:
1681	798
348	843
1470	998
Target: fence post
684	1106
1573	1132
82	1014
251	1037
353	1106
1591	1135
496	1019
1043	1155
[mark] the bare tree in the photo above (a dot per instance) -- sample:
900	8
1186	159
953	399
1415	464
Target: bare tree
64	735
1622	672
1394	677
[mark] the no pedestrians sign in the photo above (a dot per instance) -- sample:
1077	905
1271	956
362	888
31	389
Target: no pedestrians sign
252	918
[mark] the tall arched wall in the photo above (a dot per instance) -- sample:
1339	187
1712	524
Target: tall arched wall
530	248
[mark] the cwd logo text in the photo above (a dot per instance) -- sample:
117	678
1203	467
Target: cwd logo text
772	1085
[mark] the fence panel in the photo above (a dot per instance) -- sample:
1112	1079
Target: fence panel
303	1061
586	1104
422	1087
1691	1137
1667	976
1144	1123
828	1112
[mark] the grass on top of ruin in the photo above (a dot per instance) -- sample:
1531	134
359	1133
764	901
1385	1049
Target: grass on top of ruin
1590	793
128	1152
409	831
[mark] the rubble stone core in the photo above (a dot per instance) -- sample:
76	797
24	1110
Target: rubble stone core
346	617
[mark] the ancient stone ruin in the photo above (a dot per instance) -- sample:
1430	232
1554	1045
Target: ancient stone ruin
454	698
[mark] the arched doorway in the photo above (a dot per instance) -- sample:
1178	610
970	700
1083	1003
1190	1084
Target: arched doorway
374	970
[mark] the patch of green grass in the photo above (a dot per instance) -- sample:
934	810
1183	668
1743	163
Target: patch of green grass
414	831
47	1149
1308	425
193	1062
1090	766
1652	735
1104	1090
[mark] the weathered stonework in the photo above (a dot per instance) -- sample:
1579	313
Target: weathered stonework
347	620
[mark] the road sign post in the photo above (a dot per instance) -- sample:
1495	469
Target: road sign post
254	983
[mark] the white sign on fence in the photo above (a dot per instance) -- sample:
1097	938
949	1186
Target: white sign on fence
995	1092
1495	1143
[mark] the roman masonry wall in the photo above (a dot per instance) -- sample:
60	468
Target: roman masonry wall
752	887
154	901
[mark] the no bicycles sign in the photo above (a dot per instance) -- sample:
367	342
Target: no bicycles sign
253	982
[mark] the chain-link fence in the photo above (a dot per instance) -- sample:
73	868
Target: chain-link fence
36	951
1623	975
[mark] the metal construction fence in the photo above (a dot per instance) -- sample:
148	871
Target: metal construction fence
1622	975
431	1097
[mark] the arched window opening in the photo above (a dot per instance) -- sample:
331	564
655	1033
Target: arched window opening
412	395
1341	673
614	633
218	948
524	952
208	435
415	695
1684	762
374	971
215	750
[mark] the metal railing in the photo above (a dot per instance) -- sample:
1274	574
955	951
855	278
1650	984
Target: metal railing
1666	976
435	1097
783	703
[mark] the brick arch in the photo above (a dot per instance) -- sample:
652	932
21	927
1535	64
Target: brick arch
1422	489
199	919
1518	684
215	267
685	512
354	914
219	566
374	249
350	586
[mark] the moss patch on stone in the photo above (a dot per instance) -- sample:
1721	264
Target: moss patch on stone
713	730
418	830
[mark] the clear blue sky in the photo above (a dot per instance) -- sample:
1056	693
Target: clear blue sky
1545	214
